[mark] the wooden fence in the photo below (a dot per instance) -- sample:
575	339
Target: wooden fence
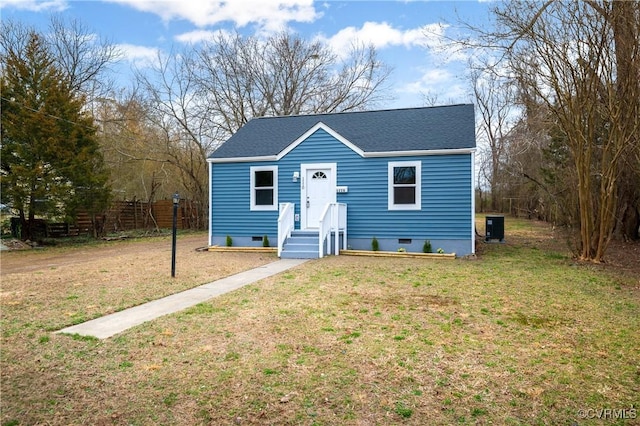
140	215
121	216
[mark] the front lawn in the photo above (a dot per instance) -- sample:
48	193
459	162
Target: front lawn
522	335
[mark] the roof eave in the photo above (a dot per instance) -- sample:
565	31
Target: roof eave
418	153
242	159
376	154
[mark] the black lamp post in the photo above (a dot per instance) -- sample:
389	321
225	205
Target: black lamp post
176	201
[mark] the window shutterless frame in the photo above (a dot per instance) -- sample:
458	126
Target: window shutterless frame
264	188
404	185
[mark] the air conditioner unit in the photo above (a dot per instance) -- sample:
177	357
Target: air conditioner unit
494	228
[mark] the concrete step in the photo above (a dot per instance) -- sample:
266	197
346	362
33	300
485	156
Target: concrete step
299	233
299	254
302	240
301	245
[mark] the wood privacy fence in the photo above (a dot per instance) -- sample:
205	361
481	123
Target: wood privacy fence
121	216
140	215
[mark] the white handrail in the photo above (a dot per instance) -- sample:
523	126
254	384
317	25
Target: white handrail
336	213
324	228
285	224
340	224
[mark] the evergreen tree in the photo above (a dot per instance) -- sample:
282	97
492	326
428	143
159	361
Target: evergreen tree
50	163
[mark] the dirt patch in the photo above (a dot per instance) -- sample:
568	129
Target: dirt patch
623	257
30	259
83	283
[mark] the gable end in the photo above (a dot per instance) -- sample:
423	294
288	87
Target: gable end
319	126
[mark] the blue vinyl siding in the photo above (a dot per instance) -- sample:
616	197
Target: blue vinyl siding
446	202
446	194
230	203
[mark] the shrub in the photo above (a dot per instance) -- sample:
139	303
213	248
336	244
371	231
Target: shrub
265	241
229	241
440	250
374	244
426	248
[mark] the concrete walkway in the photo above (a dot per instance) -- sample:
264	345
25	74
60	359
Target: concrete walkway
115	323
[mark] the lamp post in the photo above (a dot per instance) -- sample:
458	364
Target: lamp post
176	201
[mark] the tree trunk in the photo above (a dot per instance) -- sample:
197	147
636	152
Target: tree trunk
25	232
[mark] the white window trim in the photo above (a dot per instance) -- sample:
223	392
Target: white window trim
418	203
252	172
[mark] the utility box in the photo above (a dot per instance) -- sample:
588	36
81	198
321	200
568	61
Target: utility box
494	228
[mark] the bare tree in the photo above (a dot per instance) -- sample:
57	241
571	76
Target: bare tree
284	75
198	98
82	56
625	22
185	133
580	61
495	104
127	140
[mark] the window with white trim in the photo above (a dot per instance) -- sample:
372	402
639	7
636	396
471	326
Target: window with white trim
405	181
264	188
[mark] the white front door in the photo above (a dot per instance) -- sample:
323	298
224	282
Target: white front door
319	189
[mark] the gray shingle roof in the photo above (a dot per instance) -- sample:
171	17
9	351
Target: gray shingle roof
411	129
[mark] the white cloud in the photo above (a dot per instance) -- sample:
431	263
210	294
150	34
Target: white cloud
36	5
193	37
197	36
268	14
382	35
140	56
428	41
431	79
438	83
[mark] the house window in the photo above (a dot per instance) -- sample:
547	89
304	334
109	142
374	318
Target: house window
405	182
264	188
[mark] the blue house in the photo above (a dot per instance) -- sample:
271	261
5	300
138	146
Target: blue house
314	184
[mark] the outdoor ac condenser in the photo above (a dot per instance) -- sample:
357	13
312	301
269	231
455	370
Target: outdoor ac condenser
494	228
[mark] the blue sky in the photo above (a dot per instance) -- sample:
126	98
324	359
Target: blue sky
407	34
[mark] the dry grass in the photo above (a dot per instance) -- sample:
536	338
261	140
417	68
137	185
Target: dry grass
521	336
62	286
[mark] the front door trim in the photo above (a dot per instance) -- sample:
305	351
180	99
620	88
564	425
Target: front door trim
333	183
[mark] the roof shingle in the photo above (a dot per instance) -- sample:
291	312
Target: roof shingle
410	129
